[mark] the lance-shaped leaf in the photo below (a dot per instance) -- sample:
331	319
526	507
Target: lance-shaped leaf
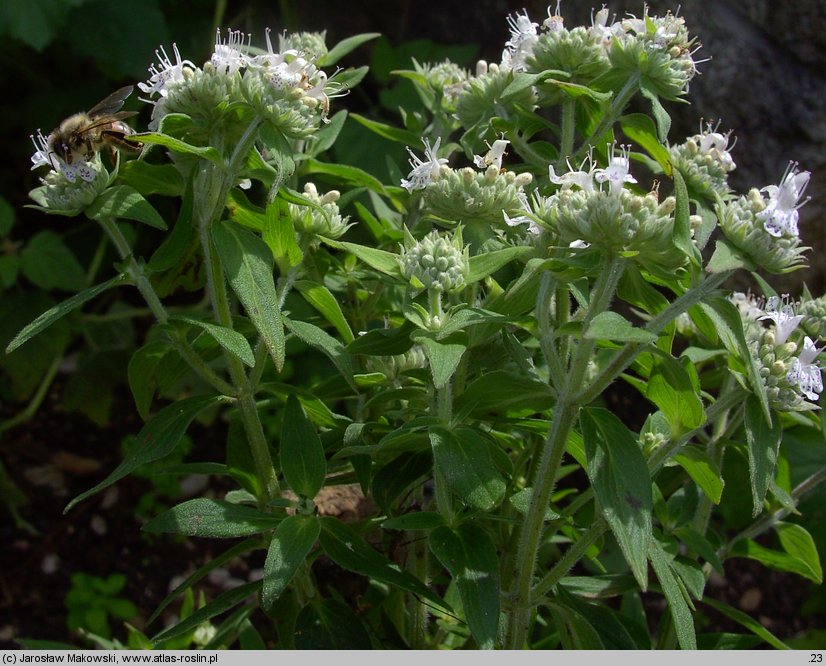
323	300
229	339
347	549
212	518
471	558
324	342
443	356
302	454
619	475
763	443
613	326
61	310
463	458
220	604
291	542
122	201
157	439
329	624
248	264
178	146
675	594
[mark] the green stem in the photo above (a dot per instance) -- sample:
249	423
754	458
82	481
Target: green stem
37	399
217	288
547	468
136	272
618	105
556	372
566	145
625	356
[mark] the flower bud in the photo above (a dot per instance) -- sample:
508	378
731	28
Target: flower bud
436	262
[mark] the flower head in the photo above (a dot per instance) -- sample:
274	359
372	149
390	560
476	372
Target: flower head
424	171
533	228
584	180
43	155
780	216
519	46
165	73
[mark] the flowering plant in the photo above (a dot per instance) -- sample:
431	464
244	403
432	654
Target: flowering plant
472	326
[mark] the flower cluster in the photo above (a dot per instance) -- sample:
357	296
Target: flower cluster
62	192
321	219
705	162
282	87
787	360
765	229
437	263
594	208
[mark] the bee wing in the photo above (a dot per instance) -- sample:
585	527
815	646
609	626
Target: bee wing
112	103
106	120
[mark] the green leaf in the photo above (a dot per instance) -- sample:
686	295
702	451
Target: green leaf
640	128
700	545
727	258
219	605
762	444
229	339
463	458
141	374
619	474
382	261
383	341
471	558
682	224
344	47
675	594
125	202
398	475
324	342
421	520
327	135
302	454
49	264
146	178
329	624
156	440
657	110
403	136
749	623
217	519
502	392
702	470
347	549
219	561
61	310
482	265
775	559
178	146
443	357
345	174
248	264
323	300
612	326
291	542
279	235
673	389
729	327
798	543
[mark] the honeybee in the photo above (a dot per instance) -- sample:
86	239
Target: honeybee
82	135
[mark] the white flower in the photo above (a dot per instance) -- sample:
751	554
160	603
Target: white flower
715	144
424	172
748	306
554	22
805	373
42	155
165	72
227	58
600	29
494	155
584	180
533	227
780	215
616	173
781	312
520	45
